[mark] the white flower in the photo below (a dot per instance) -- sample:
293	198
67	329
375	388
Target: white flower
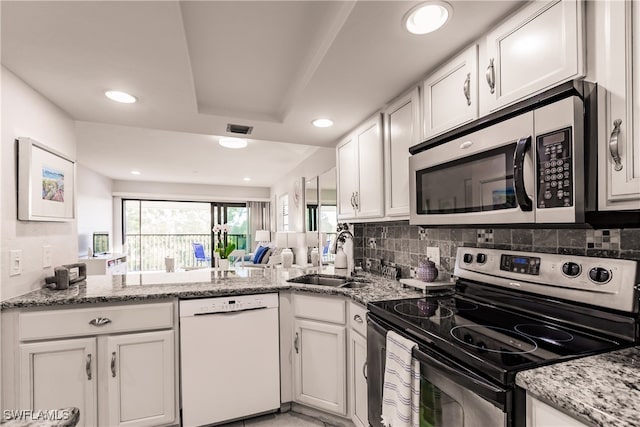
225	228
217	228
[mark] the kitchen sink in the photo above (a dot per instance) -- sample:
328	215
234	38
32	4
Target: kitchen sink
319	279
328	280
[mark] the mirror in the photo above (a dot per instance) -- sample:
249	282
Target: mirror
311	204
327	213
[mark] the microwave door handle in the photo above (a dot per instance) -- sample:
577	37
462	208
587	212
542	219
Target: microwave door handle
522	198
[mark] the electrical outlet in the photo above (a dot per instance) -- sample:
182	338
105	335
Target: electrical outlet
15	262
372	243
433	253
46	256
412	272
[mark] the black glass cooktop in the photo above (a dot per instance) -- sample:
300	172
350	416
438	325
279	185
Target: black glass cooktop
497	341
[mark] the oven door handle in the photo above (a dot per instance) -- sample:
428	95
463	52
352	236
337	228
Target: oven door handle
456	373
518	174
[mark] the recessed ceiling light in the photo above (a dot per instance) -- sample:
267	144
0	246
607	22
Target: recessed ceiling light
136	172
246	178
322	123
231	142
118	96
427	17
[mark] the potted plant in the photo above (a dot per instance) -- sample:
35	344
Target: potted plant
222	248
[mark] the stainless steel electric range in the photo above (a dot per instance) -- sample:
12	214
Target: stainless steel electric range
509	311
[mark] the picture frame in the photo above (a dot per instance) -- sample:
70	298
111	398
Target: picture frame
46	183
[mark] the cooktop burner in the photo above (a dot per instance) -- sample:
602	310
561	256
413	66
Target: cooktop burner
493	339
544	332
423	309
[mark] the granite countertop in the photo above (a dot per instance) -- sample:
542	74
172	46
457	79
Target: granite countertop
603	390
198	284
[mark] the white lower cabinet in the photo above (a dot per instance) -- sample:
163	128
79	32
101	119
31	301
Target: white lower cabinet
358	378
539	414
123	373
320	352
59	374
319	365
141	387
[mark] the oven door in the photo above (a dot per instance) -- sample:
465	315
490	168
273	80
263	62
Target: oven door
450	394
485	177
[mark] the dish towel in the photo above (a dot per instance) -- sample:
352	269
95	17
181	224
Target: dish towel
401	389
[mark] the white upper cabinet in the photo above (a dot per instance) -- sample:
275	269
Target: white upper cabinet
535	49
360	172
450	94
616	47
402	130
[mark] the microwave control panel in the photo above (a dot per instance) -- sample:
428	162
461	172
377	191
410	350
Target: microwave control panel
555	169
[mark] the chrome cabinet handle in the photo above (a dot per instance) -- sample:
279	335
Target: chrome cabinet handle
364	370
357	200
467	88
613	144
99	321
295	343
87	366
491	76
113	364
353	203
358	318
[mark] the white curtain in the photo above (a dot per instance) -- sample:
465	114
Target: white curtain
259	219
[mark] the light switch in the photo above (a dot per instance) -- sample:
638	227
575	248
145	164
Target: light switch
15	262
46	256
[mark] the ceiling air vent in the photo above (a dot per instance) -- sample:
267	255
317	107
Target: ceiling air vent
241	129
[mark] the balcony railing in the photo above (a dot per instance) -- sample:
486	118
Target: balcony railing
146	252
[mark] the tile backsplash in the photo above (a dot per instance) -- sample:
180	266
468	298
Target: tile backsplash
404	245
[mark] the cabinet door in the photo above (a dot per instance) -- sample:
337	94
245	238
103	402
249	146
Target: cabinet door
141	379
402	130
347	170
451	94
537	48
540	414
358	383
369	193
618	74
60	374
320	365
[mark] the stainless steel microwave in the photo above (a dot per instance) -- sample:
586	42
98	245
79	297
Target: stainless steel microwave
527	164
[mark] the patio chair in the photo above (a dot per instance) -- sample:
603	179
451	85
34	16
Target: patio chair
198	252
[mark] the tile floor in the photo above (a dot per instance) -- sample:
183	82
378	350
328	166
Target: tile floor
288	419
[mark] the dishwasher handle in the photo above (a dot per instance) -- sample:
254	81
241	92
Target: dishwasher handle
229	312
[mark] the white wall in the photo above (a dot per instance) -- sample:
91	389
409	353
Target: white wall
95	206
316	164
27	113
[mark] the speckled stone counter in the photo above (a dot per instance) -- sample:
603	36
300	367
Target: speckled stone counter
603	390
198	284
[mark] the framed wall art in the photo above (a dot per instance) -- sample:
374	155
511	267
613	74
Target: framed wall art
46	183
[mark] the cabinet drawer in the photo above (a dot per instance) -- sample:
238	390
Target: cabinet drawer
76	321
358	318
326	309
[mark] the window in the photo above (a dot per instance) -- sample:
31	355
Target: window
154	230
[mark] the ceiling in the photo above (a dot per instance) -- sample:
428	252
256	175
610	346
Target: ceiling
196	66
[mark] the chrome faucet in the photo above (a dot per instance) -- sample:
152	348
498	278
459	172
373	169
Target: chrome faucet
345	238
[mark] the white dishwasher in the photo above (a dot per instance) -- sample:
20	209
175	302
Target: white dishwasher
229	358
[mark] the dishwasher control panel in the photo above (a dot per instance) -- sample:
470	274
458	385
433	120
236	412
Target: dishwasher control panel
202	306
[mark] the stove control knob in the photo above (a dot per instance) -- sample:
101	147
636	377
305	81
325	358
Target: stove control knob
599	275
571	269
481	258
467	258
